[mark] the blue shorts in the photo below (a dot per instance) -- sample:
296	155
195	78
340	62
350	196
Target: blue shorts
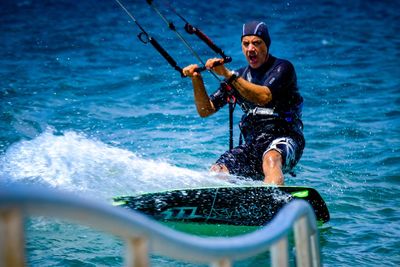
246	160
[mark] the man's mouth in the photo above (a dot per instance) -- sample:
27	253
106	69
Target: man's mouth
253	58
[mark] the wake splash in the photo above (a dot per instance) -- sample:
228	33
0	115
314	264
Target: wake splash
75	163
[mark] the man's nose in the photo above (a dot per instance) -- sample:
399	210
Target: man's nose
251	47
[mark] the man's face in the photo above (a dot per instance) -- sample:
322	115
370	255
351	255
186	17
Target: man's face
255	50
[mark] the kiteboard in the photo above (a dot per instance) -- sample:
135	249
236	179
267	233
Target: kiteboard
221	210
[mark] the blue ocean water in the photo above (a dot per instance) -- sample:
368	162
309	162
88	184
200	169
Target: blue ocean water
89	109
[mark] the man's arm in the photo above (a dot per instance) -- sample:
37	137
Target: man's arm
204	105
257	94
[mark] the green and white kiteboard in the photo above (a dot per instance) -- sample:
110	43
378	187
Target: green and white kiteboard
221	211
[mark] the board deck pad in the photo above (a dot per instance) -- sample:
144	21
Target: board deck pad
236	206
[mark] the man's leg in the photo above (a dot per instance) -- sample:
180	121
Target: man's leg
281	156
219	168
237	161
272	168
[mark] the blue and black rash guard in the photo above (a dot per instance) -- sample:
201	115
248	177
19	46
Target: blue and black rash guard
280	77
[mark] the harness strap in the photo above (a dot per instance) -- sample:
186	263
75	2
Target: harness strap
231	99
231	109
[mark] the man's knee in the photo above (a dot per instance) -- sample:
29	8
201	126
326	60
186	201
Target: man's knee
221	168
272	159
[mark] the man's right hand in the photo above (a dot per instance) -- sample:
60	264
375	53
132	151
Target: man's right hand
217	65
190	71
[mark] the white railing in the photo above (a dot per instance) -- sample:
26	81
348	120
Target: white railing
144	235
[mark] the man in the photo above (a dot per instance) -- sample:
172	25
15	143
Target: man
267	92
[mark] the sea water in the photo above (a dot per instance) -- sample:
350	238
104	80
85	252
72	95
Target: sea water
88	109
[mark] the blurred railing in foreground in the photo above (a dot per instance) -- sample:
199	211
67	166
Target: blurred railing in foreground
144	236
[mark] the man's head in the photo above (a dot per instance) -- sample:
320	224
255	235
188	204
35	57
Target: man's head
255	43
257	28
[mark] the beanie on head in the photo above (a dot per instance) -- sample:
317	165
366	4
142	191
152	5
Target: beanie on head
257	28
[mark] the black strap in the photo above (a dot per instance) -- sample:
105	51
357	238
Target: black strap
231	109
231	99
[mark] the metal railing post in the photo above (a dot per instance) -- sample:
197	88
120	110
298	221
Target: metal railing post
12	241
302	241
315	250
137	252
221	263
280	253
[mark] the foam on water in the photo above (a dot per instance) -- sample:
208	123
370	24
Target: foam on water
79	164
